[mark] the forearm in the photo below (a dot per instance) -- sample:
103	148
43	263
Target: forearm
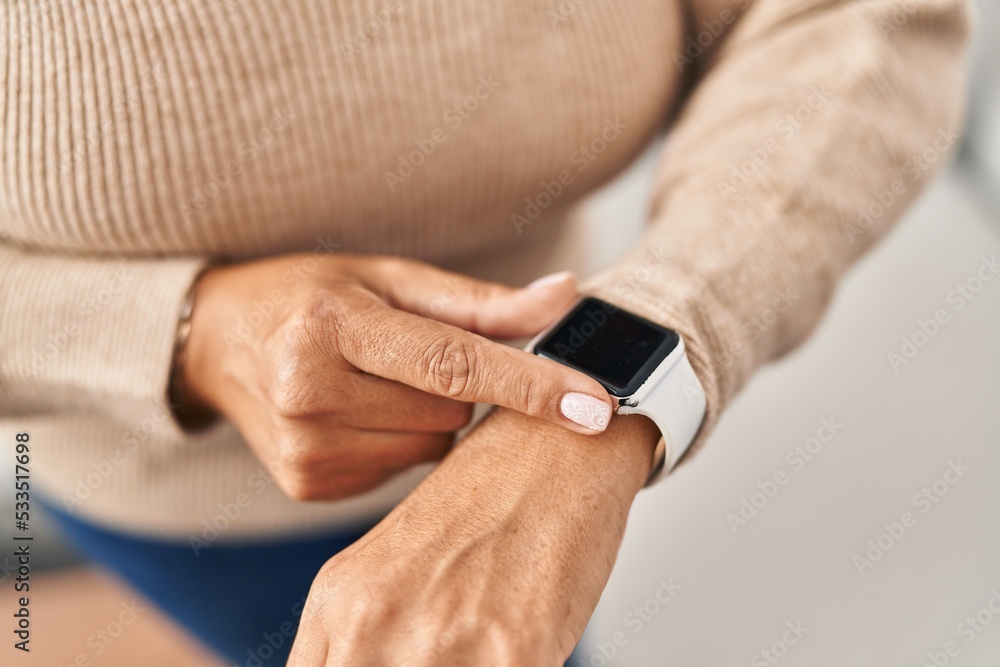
510	456
772	181
556	503
498	557
518	473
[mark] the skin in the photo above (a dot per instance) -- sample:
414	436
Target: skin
498	558
368	366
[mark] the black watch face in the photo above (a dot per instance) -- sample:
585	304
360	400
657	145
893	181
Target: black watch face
616	348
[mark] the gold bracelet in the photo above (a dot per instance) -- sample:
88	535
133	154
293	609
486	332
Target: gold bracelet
192	416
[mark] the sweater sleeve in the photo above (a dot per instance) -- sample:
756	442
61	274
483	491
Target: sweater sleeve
85	334
813	124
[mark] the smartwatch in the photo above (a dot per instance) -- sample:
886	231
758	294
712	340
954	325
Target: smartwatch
642	365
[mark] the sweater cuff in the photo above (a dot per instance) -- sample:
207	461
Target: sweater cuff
665	294
81	334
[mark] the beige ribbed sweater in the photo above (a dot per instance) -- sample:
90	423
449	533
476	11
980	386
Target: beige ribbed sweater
141	138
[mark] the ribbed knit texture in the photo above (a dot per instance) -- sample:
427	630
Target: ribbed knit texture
140	139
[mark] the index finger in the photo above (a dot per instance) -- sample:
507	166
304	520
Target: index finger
447	361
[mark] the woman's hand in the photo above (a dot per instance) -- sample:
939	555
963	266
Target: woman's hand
498	558
341	376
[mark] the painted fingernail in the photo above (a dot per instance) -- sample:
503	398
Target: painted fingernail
551	279
586	410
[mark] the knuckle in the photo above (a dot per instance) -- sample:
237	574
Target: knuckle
393	267
296	482
295	455
360	599
288	379
297	352
320	306
531	395
296	487
315	323
292	396
450	366
481	291
509	642
352	323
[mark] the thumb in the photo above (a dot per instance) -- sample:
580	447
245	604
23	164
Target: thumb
480	306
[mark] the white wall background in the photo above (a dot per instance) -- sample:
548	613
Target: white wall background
794	560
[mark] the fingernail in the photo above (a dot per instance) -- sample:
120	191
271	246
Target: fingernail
586	410
551	279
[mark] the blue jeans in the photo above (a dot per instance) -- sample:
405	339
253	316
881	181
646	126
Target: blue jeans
242	601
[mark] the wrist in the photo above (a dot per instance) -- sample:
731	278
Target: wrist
617	460
188	392
224	334
512	460
528	487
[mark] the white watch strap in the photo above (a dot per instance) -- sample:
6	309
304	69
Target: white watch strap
677	406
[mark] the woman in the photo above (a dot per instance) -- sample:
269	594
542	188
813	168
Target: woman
237	203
